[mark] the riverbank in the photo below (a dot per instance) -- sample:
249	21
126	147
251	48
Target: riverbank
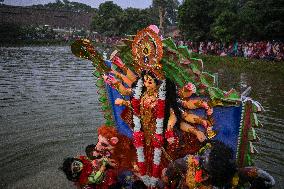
211	62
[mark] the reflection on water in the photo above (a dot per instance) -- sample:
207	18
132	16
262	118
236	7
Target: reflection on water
49	110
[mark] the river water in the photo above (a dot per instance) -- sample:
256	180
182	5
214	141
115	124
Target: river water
49	110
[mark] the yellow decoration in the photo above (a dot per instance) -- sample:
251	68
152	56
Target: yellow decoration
235	181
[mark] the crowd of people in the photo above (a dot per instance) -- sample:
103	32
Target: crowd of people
267	50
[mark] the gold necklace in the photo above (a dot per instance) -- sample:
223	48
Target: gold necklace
152	93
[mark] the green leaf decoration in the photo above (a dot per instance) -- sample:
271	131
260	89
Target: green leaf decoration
100	82
108	116
168	72
180	76
199	62
252	134
103	99
170	44
183	50
102	92
207	79
84	49
215	93
194	68
248	160
96	73
106	107
256	122
109	123
232	95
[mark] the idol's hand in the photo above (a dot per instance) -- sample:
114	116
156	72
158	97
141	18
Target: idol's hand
164	177
209	111
119	102
171	140
109	79
200	136
204	105
112	162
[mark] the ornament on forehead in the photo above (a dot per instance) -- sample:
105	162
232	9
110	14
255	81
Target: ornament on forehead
147	51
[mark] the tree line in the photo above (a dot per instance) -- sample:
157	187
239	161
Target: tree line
228	20
197	20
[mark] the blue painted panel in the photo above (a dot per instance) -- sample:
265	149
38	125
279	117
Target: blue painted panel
113	94
226	123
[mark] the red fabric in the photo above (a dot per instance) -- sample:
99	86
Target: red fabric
142	168
160	108
136	106
156	171
158	141
169	134
127	116
188	145
86	171
138	139
109	179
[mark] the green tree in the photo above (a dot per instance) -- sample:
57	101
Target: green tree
195	18
272	19
250	15
10	32
67	5
108	20
225	26
166	12
135	19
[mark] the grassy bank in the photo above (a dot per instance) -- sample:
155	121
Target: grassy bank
239	64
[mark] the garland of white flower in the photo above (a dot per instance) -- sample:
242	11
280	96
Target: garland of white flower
149	181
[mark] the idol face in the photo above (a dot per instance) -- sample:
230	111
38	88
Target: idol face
104	145
149	82
76	166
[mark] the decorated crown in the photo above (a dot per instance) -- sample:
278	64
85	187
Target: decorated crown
147	51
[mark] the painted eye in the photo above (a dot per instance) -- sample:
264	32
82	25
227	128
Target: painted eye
104	145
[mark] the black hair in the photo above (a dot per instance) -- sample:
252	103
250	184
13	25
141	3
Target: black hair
89	151
171	102
139	184
66	168
116	185
222	166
